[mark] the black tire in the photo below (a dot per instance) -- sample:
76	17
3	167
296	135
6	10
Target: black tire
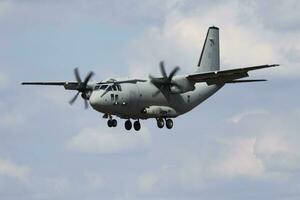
137	125
114	123
160	123
169	123
109	123
128	125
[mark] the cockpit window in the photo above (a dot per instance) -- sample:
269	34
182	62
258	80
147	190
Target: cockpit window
114	87
103	87
109	88
97	87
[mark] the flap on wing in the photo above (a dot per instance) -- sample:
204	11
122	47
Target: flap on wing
225	76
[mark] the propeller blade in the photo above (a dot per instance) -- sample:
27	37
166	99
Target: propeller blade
77	75
74	98
88	77
158	81
174	71
162	69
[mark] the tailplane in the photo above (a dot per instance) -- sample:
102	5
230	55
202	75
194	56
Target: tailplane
210	56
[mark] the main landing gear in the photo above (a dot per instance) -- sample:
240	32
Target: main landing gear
112	123
136	125
161	123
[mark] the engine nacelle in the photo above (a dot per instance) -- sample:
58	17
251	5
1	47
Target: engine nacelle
160	111
184	83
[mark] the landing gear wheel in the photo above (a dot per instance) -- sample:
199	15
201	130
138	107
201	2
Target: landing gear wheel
169	123
109	123
160	123
128	125
114	122
137	125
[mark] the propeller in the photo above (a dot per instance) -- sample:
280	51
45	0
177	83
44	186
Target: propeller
166	81
82	87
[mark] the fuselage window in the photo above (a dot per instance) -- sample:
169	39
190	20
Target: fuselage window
114	88
119	87
103	87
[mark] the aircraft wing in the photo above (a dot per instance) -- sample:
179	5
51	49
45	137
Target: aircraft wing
122	81
67	85
227	76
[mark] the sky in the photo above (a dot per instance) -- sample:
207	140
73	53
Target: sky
242	143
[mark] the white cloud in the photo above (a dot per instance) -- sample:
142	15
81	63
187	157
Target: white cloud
234	159
244	42
279	151
241	116
269	151
239	160
10	169
105	140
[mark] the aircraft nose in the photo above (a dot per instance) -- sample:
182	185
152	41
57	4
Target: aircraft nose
93	99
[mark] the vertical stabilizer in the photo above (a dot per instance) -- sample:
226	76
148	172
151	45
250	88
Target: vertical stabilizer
210	55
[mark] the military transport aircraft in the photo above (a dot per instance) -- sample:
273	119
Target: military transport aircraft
161	98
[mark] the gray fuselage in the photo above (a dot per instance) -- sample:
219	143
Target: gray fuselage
134	98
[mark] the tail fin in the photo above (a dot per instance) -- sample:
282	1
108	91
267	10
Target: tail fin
210	55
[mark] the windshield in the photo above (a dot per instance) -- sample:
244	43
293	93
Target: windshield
103	87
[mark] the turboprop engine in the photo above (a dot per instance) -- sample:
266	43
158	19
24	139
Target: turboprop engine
178	84
182	85
160	111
